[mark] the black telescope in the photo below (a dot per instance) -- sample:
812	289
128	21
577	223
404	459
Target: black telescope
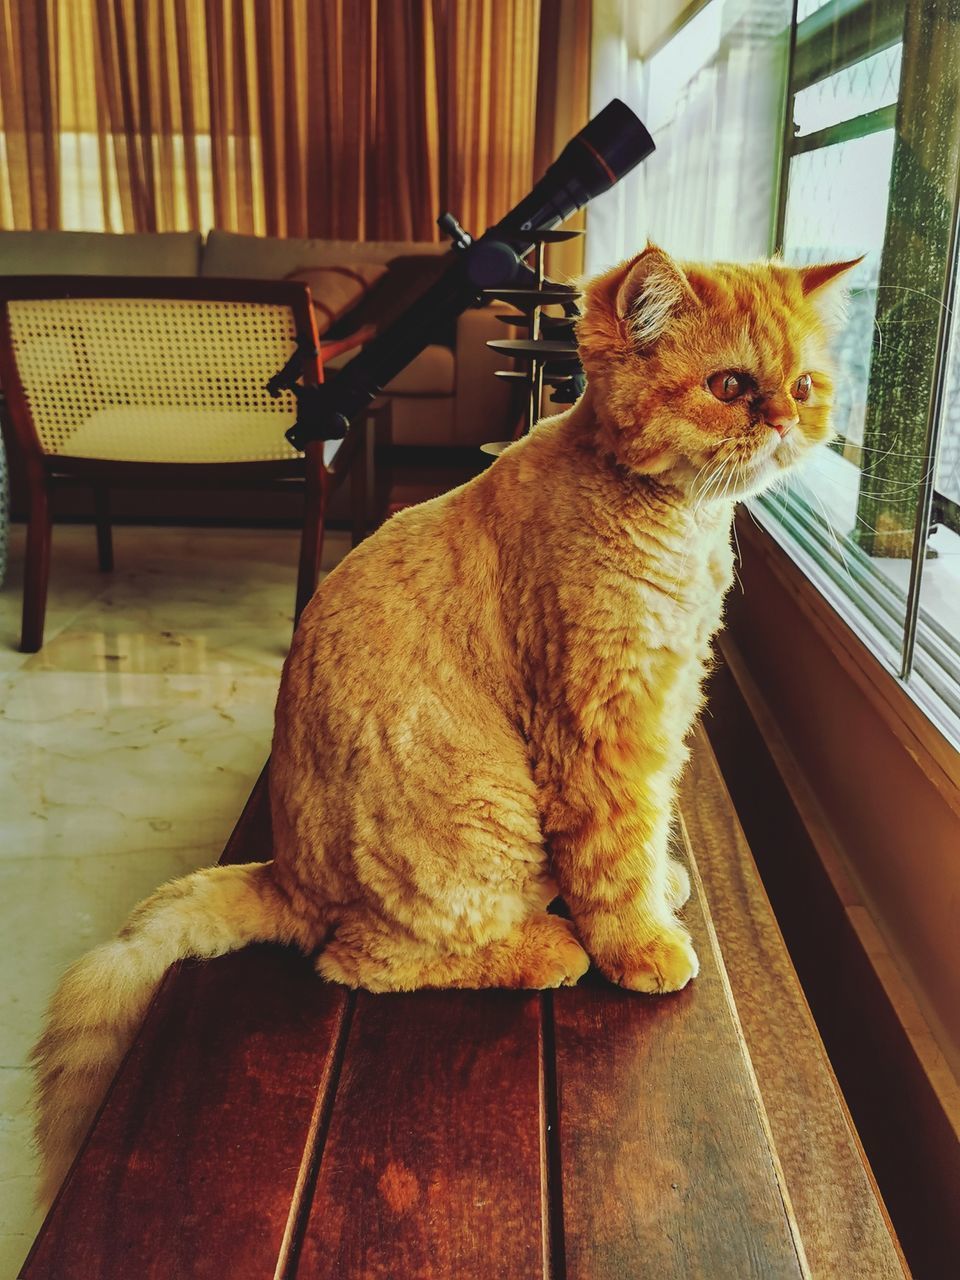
596	158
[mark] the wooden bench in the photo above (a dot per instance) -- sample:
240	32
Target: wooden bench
265	1124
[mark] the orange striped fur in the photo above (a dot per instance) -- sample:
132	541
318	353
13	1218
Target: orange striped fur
489	698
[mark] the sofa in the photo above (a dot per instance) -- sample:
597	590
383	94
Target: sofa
447	397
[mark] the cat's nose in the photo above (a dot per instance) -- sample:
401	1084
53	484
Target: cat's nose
780	413
782	425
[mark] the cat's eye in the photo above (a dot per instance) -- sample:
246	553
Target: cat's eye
727	386
802	387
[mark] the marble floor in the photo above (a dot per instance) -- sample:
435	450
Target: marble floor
127	747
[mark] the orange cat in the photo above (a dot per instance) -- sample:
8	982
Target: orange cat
487	701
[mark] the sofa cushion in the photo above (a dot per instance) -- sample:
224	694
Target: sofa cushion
413	267
431	373
134	433
96	253
337	290
242	257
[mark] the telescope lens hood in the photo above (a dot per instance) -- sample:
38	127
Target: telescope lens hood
606	148
615	141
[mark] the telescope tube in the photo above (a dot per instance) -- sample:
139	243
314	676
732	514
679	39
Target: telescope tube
607	148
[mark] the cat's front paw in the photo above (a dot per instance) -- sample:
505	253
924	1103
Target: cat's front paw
551	954
667	962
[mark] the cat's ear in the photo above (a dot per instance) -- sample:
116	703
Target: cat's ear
826	285
654	291
816	277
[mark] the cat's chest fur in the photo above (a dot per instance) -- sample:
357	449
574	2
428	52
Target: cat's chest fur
662	589
624	616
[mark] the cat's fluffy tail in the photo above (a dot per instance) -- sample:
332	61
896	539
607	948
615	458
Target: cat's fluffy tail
98	1006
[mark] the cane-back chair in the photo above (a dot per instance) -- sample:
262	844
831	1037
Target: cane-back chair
156	382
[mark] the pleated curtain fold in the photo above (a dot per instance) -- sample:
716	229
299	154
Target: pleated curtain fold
29	114
352	119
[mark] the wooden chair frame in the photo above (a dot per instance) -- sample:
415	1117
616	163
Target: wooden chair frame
44	471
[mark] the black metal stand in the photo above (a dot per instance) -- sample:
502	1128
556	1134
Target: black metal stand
549	348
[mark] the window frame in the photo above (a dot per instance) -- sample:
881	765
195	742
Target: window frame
838	35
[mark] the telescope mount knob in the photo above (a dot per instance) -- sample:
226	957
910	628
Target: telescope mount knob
492	264
449	226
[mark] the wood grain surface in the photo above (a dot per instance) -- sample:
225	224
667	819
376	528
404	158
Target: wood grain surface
432	1165
909	1136
665	1164
846	1232
191	1166
265	1124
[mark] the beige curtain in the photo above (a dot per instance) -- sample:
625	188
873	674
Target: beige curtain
29	114
355	119
563	105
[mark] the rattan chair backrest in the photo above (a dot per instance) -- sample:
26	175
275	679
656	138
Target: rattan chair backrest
147	378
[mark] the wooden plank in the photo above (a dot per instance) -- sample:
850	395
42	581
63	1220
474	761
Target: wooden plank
666	1162
191	1167
432	1165
901	1115
192	1164
846	1232
410	1133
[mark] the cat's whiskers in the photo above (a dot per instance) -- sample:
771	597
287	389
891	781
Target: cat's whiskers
737	475
699	500
713	483
736	472
738	557
701	493
876	325
895	489
905	288
711	459
884	453
828	524
694	487
749	512
715	478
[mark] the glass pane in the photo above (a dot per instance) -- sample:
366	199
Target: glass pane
837	199
678	65
850	520
947	475
712	98
806	7
837	209
81	200
854	91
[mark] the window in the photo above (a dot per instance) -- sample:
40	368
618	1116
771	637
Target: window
868	163
870	166
712	95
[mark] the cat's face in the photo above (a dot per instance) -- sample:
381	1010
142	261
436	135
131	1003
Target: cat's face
713	378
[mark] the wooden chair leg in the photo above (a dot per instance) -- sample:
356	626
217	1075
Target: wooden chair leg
101	510
37	568
311	540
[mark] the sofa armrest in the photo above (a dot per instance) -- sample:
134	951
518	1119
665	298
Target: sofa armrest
485	407
337	346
